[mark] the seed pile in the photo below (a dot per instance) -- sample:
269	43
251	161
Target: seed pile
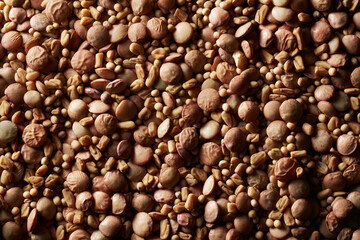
180	119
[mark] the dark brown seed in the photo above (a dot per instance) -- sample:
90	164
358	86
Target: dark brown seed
285	169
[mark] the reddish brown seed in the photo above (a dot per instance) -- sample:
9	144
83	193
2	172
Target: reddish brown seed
342	208
110	226
191	114
77	109
183	32
98	36
209	185
243	224
243	30
84	201
338	60
225	72
46	208
164	128
301	209
335	181
142	155
17	15
83	61
114	180
271	110
277	130
142	202
142	224
142	136
219	16
170	73
33	99
235	140
15	93
321	5
105	124
243	202
211	212
346	144
285	169
119	204
248	111
321	32
116	86
355	77
195	60
14	197
32	220
12	41
156	28
118	32
31	155
166	4
34	135
351	44
141	7
39	22
285	40
126	110
188	138
210	154
169	177
57	10
321	141
228	42
102	202
37	58
11	231
338	20
208	99
137	32
290	110
77	181
324	92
